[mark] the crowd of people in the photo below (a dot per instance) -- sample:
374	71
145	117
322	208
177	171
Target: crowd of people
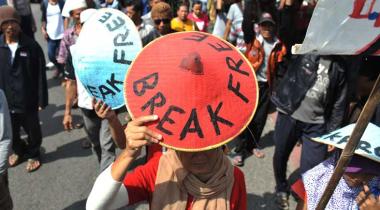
312	95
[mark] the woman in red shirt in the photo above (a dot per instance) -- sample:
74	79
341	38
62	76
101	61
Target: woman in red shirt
174	180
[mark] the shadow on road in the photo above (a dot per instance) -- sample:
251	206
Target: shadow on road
261	202
52	82
51	124
72	149
77	205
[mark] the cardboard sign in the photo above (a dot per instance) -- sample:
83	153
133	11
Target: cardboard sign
369	145
107	45
346	27
201	87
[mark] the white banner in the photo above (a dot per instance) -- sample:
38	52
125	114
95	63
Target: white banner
107	45
369	145
345	27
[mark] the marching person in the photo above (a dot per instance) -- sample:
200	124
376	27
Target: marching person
161	15
199	17
187	175
182	22
266	52
23	80
195	180
74	8
360	181
28	24
362	174
97	129
311	101
233	31
52	29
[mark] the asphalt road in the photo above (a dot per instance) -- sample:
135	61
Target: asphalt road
68	171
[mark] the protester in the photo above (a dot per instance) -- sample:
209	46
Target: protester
74	8
28	24
97	129
71	34
311	101
5	151
181	22
68	22
148	16
198	180
234	32
23	80
161	15
52	29
221	8
146	31
360	172
199	17
265	53
368	73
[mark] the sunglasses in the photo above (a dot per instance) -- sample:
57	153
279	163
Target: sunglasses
158	21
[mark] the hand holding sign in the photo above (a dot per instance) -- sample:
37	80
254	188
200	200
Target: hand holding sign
138	135
203	90
107	45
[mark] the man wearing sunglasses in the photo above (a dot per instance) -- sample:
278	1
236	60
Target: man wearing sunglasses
161	16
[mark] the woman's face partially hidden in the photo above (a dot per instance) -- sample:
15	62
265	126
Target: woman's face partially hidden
357	179
199	163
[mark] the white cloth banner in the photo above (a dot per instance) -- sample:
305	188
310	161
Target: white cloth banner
345	27
369	145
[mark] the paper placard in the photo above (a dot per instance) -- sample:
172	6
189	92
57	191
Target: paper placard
107	45
347	27
369	145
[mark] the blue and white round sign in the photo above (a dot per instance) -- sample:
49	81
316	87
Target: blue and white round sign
107	45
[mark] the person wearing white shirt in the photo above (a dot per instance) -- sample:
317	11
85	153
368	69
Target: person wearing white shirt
52	29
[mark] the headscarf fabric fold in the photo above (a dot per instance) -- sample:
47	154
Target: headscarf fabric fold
174	184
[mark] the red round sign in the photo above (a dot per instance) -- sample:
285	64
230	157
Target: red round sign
203	90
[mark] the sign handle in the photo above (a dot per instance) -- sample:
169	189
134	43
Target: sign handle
348	152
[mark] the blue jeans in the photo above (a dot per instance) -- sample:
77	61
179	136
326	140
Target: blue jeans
286	134
53	47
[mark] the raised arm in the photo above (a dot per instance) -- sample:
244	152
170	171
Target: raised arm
108	191
117	131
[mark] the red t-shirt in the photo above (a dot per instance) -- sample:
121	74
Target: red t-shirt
153	151
141	182
202	22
